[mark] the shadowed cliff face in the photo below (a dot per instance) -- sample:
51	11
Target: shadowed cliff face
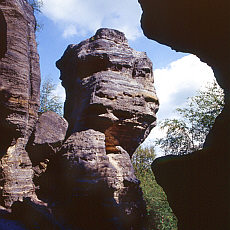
197	185
198	27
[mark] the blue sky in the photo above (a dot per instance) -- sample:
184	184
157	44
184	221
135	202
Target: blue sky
177	75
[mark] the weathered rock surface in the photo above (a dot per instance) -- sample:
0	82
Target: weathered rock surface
100	189
109	87
110	106
19	99
45	141
88	182
47	137
197	185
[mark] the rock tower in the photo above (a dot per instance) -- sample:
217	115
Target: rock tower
111	107
79	176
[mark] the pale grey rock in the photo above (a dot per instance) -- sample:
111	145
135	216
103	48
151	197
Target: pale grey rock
45	141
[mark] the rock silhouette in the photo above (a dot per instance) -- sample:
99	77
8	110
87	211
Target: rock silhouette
197	185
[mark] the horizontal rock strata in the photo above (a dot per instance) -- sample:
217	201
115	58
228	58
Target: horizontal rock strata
19	99
109	87
110	106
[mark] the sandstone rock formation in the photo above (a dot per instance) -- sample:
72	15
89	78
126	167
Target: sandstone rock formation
83	180
197	185
200	27
45	141
19	99
109	87
100	189
48	134
110	106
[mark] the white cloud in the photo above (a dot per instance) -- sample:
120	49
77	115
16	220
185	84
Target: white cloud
175	83
180	80
60	92
69	31
86	16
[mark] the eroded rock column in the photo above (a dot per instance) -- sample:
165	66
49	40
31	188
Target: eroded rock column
111	107
19	99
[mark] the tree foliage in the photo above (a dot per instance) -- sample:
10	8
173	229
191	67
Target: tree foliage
49	101
188	133
159	213
142	158
36	4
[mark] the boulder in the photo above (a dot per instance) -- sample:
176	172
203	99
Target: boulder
46	139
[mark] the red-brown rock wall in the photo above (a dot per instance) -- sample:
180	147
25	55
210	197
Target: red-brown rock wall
19	93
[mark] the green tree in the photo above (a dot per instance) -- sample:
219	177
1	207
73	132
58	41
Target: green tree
159	213
36	4
188	133
142	158
48	100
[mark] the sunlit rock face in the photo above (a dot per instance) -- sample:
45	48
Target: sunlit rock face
198	185
109	88
19	98
111	107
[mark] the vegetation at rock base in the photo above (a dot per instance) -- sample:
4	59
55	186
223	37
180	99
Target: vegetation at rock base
49	101
187	133
159	213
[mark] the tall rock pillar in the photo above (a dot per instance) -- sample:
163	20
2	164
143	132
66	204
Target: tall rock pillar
19	98
111	107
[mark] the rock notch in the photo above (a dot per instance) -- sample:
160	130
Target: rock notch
111	107
197	185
